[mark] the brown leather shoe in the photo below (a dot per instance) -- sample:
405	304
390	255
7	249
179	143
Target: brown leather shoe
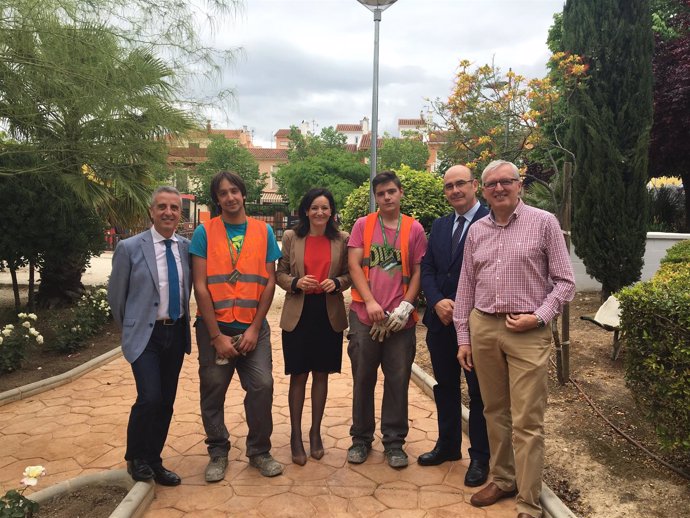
525	515
490	495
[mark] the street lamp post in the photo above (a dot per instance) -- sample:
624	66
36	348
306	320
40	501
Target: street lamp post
376	7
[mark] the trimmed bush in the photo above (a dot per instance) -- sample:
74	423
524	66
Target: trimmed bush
678	253
423	199
655	316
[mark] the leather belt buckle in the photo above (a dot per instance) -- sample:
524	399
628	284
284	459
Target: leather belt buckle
168	322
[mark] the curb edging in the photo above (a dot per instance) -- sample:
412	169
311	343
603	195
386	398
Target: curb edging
133	505
37	387
553	506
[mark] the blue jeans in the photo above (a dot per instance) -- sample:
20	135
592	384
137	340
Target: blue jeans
156	373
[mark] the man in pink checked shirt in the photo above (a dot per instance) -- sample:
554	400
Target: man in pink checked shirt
516	275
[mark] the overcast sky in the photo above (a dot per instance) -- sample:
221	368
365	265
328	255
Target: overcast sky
313	59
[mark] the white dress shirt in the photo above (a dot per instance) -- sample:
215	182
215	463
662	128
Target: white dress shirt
162	265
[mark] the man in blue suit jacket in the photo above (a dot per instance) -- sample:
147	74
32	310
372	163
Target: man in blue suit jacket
440	273
150	303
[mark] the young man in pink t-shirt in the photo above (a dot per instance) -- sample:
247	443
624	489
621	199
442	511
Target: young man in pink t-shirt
385	252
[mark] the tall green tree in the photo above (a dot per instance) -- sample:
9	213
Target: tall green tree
94	114
608	132
320	161
410	151
224	154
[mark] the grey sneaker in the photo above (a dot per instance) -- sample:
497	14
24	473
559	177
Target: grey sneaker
357	453
396	457
267	465
215	471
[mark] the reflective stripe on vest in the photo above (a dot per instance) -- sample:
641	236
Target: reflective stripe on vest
368	235
236	302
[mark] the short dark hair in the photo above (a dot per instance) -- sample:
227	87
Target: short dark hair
231	177
301	228
385	177
163	188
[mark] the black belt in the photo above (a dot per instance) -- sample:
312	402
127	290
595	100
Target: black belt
169	321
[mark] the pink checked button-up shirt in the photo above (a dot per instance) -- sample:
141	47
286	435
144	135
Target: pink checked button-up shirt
522	267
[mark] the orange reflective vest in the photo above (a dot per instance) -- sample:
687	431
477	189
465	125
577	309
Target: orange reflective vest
405	227
236	295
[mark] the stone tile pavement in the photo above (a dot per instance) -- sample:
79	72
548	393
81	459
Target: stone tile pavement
79	428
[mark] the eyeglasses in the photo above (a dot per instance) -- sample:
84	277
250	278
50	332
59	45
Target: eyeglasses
505	183
456	185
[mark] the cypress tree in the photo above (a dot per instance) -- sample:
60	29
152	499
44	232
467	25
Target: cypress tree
609	134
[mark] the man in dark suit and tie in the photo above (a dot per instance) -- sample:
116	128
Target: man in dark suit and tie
148	293
440	272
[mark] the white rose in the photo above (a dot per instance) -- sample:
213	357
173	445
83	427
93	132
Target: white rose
9	326
0	340
21	315
33	332
26	324
39	340
7	332
33	316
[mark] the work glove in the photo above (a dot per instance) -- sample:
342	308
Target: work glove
378	331
399	316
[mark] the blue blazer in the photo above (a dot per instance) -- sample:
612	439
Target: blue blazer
133	291
440	271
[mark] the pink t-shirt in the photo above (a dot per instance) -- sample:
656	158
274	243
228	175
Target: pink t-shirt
385	281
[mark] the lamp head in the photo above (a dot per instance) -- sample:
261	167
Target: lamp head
380	5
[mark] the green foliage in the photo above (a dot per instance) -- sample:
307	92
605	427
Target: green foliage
666	209
14	339
655	316
549	199
608	132
227	155
396	152
15	505
678	253
423	199
320	161
89	317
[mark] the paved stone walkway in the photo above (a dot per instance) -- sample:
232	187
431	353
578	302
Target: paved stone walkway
79	428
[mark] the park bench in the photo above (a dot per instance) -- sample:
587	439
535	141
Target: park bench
608	317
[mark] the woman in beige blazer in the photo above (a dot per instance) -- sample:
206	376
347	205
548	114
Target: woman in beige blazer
313	272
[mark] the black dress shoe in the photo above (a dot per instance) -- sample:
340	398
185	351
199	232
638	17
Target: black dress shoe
164	477
438	456
139	470
477	473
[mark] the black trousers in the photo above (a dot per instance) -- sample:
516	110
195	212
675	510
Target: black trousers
156	373
443	348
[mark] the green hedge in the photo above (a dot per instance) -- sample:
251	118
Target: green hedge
655	316
678	253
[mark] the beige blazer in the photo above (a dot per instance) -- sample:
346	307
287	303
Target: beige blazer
291	266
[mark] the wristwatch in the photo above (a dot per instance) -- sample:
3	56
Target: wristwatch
540	321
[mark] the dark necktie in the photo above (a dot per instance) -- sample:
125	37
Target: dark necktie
457	234
173	283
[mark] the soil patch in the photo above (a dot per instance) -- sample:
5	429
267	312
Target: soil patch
593	469
86	502
41	363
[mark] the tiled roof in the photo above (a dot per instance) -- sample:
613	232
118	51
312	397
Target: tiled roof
411	122
265	153
272	197
282	133
187	151
348	127
365	143
352	148
233	134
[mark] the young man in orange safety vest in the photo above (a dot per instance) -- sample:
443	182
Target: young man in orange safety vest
233	268
385	252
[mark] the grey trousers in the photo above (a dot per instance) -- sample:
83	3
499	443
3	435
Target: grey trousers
256	378
395	355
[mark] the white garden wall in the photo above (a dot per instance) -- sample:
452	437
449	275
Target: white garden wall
657	244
